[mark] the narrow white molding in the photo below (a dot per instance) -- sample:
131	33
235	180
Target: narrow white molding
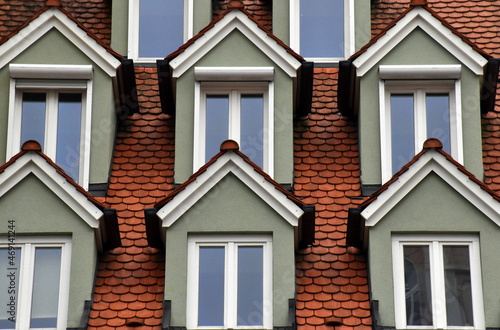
51	71
420	71
234	73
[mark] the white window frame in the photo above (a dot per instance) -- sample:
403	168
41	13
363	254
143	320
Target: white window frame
231	244
349	44
235	88
419	88
435	243
133	29
25	281
51	79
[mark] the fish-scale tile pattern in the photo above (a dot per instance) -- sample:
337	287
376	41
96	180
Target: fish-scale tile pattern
332	279
476	19
130	279
491	145
95	15
261	10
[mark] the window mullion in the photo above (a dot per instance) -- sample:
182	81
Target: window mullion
235	115
231	284
51	124
439	294
420	119
25	286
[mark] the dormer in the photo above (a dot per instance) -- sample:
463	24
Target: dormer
62	82
235	80
53	231
419	78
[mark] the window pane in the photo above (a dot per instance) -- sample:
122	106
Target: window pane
217	118
9	286
438	118
33	118
46	279
252	125
160	27
417	285
402	129
322	28
458	285
250	285
68	133
211	287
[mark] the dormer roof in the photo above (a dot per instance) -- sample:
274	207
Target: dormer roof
52	16
419	15
231	160
431	159
235	18
31	160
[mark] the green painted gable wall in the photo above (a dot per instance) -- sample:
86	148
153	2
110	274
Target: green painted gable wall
416	49
119	26
233	208
55	48
434	207
48	216
236	50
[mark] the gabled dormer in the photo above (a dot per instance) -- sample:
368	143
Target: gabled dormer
52	232
230	234
235	80
62	82
419	78
430	234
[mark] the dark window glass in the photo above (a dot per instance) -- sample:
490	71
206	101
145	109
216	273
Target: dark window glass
402	130
10	261
458	285
33	117
252	125
438	118
211	287
69	133
217	118
418	285
46	277
160	27
250	285
322	28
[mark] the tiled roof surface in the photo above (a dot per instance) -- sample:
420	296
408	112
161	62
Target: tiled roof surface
476	19
261	10
332	279
95	15
129	285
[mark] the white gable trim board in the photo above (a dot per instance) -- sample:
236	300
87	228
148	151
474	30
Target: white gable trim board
229	163
54	18
431	161
420	18
32	163
234	20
